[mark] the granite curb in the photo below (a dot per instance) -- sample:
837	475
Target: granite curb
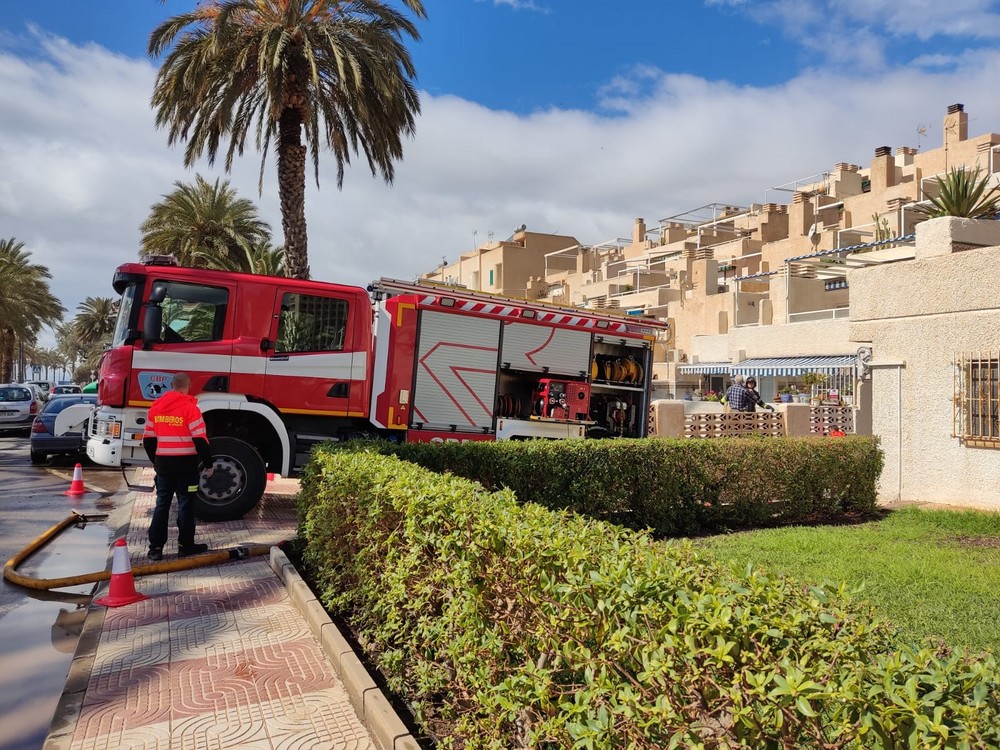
370	703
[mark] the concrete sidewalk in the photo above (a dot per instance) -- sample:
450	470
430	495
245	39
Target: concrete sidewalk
217	658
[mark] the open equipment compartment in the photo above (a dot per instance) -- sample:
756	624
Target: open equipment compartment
619	373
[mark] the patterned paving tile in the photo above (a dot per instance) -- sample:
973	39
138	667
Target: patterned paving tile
149	737
324	715
196	637
240	727
133	646
127	698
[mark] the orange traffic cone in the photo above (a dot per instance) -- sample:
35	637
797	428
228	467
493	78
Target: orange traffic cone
76	488
122	590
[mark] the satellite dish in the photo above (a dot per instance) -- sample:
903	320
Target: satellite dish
814	231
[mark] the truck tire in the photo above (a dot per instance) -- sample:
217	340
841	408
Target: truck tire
237	482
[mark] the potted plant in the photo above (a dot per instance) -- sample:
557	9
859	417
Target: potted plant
787	393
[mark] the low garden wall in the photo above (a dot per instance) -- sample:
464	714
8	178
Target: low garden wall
506	625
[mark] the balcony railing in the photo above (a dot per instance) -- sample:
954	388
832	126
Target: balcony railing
833	313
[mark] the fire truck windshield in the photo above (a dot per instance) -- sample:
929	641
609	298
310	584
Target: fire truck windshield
124	323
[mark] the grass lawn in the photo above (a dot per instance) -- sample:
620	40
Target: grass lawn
933	573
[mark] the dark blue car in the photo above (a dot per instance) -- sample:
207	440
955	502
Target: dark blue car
46	442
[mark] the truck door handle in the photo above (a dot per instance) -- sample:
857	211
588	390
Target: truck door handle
266	344
339	390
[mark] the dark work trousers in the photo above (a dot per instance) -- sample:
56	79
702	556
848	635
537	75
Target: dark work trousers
183	482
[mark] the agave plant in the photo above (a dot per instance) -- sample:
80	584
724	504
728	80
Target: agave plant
965	193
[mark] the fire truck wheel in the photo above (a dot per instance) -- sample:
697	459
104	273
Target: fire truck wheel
237	481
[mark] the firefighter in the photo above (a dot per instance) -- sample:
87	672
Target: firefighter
177	443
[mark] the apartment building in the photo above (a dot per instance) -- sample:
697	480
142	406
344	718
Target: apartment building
515	266
843	277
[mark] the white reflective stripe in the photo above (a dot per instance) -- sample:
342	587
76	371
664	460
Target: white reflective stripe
506	311
198	423
175	451
120	562
175	438
355	362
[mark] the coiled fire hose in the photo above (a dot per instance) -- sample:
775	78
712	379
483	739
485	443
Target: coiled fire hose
195	561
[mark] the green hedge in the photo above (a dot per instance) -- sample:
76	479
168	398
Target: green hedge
508	625
674	487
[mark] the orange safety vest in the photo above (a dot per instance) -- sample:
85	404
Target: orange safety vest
175	421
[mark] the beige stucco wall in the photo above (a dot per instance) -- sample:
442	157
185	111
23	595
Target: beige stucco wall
921	313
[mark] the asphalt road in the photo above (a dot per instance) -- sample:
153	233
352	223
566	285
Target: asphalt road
39	629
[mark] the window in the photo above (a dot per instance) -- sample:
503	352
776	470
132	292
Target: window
311	324
126	308
976	403
192	312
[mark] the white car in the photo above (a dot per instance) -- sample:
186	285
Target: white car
19	405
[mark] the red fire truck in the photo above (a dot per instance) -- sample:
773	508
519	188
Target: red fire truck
281	364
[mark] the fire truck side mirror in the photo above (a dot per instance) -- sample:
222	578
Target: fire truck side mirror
152	325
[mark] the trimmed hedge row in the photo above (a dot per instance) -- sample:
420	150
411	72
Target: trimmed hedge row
674	487
508	625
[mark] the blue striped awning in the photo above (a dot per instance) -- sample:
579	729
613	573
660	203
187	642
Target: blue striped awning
707	368
828	364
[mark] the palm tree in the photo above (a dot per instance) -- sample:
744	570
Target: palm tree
964	193
335	71
204	225
95	321
262	259
26	303
268	261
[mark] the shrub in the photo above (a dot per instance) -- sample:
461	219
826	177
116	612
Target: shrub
508	625
674	487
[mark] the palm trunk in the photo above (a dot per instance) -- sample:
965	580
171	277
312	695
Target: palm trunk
6	355
292	192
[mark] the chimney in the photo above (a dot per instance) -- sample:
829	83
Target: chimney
638	231
956	125
800	215
883	170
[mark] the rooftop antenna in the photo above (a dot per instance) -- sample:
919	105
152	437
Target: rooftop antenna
921	132
475	234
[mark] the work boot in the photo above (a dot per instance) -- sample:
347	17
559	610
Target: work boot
155	553
191	549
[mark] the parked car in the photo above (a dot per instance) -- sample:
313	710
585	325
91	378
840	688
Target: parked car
61	428
19	405
63	390
45	386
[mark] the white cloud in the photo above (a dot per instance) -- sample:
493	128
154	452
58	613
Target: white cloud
82	162
522	5
853	25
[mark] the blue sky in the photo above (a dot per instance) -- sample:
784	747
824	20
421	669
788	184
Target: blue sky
569	116
518	56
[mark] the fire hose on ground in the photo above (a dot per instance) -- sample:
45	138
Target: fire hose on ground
195	561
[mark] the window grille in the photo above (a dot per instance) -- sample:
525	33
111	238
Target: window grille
311	324
976	406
